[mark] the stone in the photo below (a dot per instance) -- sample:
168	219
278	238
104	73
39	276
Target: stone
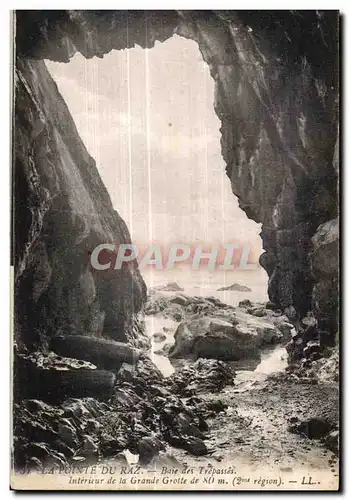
314	428
211	337
148	448
235	287
170	287
205	375
331	442
287	329
67	451
245	303
294	349
184	426
311	348
225	347
55	381
325	269
67	433
308	321
159	337
165	350
270	305
177	316
183	346
104	353
191	444
229	333
181	300
325	253
110	446
89	447
45	454
196	446
259	312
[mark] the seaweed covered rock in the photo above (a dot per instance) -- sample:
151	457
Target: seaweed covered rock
205	375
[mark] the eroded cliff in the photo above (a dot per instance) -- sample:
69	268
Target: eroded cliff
62	211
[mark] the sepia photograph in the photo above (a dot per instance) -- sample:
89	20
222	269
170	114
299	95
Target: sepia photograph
175	193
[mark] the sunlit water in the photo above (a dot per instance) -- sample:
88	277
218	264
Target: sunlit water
159	324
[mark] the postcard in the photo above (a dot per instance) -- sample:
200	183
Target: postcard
175	250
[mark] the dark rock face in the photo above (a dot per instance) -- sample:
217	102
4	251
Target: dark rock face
276	78
62	212
325	265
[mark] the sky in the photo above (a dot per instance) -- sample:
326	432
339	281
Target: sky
147	118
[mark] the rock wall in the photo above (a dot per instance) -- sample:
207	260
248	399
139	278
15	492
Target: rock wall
62	211
276	94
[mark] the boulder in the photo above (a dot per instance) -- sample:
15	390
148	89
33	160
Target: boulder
165	350
148	448
228	347
235	287
67	433
158	337
331	442
312	349
231	335
53	379
259	312
191	444
184	337
245	303
181	300
195	445
313	428
325	251
57	386
169	287
105	354
310	330
89	448
205	375
110	446
294	350
266	329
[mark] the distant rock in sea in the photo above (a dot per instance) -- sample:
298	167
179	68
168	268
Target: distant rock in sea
170	287
235	287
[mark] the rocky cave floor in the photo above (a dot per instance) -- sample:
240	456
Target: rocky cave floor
200	414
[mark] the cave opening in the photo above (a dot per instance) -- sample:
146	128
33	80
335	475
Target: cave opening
278	130
147	118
